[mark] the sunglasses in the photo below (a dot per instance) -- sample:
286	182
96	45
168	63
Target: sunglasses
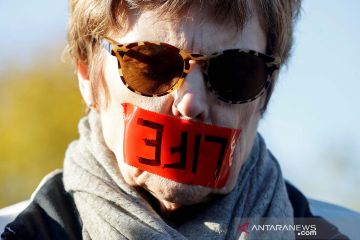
156	69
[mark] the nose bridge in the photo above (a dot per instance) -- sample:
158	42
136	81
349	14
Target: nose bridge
190	99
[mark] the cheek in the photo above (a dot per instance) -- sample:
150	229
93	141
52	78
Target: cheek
113	127
112	113
246	118
112	121
241	116
111	110
113	130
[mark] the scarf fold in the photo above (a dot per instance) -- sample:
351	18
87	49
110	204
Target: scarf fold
111	209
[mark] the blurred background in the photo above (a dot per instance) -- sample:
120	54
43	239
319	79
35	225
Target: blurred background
312	125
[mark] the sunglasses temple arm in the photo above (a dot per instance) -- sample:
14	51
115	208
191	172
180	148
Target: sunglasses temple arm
106	45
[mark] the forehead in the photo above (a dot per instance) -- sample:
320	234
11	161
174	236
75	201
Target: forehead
195	33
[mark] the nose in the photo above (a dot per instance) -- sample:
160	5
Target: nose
190	99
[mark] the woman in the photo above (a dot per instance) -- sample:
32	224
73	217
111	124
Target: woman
169	148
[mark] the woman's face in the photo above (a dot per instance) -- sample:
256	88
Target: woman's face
191	101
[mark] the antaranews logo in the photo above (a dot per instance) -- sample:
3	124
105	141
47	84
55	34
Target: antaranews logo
299	229
272	229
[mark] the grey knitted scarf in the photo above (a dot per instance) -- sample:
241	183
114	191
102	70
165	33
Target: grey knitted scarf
111	209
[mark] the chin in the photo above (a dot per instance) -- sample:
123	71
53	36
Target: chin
170	191
173	192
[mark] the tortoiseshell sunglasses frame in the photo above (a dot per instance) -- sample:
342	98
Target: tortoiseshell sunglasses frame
118	50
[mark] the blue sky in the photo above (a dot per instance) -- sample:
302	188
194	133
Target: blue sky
312	124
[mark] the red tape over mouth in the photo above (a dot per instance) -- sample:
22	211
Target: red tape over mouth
184	151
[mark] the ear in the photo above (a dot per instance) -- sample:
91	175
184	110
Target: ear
84	83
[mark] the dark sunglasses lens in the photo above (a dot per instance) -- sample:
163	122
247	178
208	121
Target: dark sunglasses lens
152	69
237	76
